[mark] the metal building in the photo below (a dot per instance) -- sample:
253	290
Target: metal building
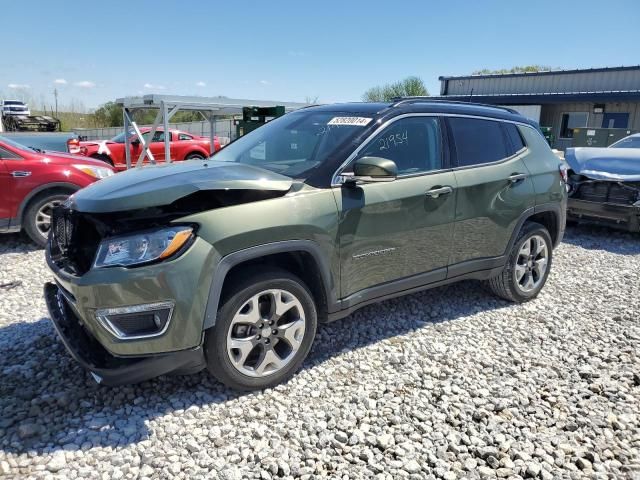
565	100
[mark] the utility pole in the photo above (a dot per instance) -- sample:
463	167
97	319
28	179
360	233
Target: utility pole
55	94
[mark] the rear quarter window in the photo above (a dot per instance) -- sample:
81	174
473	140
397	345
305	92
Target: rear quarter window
478	141
514	136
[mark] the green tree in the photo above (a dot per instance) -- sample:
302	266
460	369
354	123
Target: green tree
409	87
187	116
108	115
516	69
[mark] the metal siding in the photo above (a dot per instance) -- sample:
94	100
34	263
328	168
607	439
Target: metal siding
549	83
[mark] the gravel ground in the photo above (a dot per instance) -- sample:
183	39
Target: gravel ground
449	383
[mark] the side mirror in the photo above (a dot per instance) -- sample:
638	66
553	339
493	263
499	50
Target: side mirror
373	169
135	141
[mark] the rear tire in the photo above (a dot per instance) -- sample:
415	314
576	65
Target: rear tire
195	156
527	267
263	332
37	216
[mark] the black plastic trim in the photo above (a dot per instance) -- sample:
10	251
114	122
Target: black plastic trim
407	286
382	290
289	246
560	211
621	217
476	265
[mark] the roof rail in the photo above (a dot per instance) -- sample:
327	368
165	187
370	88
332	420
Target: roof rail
407	100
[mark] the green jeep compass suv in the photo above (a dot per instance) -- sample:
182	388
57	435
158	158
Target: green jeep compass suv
230	263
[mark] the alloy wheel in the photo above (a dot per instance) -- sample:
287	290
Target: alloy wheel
43	217
531	264
266	333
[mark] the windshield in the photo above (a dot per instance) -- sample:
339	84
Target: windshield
120	137
16	145
629	142
294	144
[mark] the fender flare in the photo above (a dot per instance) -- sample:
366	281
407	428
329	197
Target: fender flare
559	209
47	186
287	246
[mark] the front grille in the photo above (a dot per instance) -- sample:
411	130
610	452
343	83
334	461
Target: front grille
73	241
61	230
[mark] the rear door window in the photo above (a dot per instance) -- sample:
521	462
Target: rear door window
478	141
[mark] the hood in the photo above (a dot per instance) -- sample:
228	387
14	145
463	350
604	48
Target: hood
609	164
61	158
158	185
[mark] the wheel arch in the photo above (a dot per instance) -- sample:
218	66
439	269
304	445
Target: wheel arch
197	151
60	186
551	215
304	258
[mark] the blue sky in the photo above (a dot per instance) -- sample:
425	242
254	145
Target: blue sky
289	50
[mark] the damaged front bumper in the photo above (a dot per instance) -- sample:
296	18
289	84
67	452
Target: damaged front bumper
106	368
624	217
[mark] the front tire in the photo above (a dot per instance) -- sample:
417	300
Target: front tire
195	156
263	333
527	267
37	217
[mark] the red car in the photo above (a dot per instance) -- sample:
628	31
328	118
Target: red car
32	182
184	146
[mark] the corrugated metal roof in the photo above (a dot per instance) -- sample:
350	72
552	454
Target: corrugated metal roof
621	79
546	72
546	98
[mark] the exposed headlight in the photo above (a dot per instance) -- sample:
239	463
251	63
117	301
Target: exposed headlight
142	247
96	172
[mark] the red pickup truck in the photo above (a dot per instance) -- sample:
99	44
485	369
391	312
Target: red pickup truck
34	181
183	145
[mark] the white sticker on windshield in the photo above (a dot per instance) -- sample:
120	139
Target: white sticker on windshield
357	121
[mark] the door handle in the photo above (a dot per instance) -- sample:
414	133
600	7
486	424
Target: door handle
20	173
517	177
436	192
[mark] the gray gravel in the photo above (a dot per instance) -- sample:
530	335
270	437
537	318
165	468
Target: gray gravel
450	383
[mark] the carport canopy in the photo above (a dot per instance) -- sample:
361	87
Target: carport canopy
169	105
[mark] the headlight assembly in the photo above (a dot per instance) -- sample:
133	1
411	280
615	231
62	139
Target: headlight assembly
95	172
142	247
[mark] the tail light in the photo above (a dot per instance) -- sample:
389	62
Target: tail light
564	176
73	145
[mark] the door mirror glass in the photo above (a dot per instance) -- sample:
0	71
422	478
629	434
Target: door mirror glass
374	169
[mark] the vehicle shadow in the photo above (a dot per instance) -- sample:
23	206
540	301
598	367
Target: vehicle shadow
595	237
48	403
16	243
